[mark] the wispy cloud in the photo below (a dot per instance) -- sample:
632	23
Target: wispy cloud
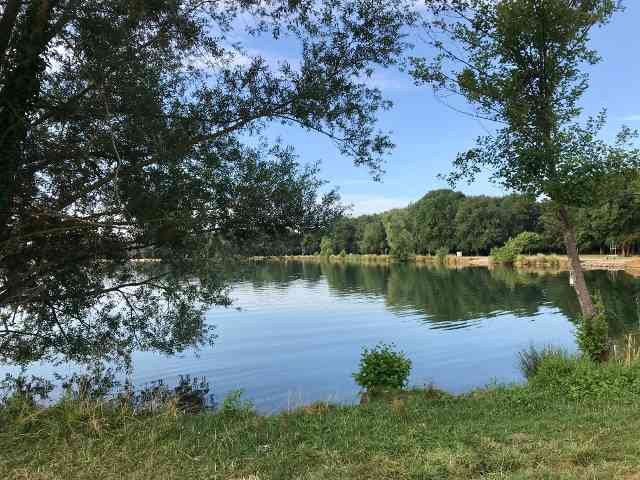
366	204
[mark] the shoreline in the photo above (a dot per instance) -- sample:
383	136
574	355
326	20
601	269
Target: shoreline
552	262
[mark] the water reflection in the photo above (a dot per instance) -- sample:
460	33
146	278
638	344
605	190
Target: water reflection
453	298
296	331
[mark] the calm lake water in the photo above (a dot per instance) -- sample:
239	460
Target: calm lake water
295	330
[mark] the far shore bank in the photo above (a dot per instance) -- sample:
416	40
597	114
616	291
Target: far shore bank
558	262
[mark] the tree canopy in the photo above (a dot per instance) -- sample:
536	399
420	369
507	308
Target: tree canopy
520	64
135	128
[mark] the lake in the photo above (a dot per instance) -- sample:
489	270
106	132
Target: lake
296	329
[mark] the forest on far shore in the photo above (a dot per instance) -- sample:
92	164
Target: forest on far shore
474	225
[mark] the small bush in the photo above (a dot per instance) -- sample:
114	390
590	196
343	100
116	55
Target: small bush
529	360
343	254
506	254
509	253
382	368
234	405
526	242
592	333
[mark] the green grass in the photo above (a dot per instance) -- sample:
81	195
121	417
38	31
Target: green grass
517	432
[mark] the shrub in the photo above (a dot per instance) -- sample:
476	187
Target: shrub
506	254
234	405
592	333
343	254
523	242
383	368
526	242
529	360
579	378
441	254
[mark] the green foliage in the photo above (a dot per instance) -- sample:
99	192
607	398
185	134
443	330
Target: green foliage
402	246
432	218
579	378
505	254
441	254
127	129
527	242
592	333
524	242
482	223
343	254
310	244
529	360
374	237
521	68
540	149
344	235
382	368
400	240
326	247
518	431
234	405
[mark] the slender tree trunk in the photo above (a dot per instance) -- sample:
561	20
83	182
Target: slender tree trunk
580	285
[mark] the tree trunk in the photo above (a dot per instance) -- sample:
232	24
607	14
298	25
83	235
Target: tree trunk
580	285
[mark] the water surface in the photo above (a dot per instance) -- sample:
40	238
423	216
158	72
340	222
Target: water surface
295	330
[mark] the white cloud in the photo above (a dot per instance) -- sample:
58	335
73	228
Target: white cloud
365	204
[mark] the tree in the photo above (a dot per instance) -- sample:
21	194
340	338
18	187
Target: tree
522	69
616	222
344	235
326	247
402	246
310	244
123	128
478	225
432	220
374	237
401	242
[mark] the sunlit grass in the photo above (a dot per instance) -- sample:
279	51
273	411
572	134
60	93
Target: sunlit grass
498	432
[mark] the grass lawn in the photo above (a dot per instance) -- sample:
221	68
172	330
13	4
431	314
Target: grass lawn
514	432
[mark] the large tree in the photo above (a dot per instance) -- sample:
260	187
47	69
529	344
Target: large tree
519	63
133	127
433	220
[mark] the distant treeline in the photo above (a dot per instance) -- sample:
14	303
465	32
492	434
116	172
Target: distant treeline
449	220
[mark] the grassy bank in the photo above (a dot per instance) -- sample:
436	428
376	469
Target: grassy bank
573	421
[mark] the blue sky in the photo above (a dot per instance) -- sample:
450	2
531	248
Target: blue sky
428	134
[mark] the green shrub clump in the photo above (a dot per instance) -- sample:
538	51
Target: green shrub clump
524	242
579	378
383	368
530	360
592	333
